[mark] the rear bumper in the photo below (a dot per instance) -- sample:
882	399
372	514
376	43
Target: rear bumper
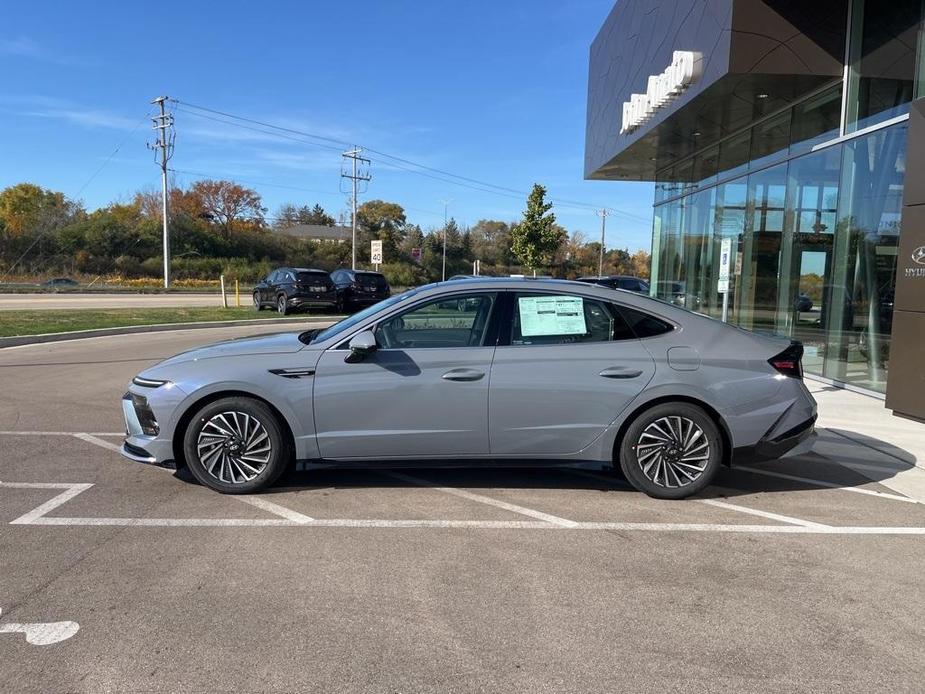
773	448
299	301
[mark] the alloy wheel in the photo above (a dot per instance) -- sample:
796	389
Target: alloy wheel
234	447
672	451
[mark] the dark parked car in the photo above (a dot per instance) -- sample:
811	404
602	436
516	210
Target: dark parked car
293	288
58	282
803	303
630	284
359	288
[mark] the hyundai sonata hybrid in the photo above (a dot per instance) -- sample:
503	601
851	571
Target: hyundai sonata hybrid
482	372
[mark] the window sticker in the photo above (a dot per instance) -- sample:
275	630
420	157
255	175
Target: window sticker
551	315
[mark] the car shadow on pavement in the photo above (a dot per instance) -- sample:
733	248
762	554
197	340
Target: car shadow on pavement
827	465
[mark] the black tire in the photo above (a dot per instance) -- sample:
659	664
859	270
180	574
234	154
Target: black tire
258	305
668	476
282	306
230	476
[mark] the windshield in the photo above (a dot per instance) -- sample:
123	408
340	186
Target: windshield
310	336
312	277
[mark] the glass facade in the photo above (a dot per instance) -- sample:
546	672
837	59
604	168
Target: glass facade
811	197
814	245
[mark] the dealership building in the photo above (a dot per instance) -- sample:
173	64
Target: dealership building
786	140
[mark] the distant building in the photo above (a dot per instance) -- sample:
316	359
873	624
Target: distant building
317	232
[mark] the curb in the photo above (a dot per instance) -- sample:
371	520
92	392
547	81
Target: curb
19	340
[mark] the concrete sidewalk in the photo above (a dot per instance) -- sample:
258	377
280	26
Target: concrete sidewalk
860	433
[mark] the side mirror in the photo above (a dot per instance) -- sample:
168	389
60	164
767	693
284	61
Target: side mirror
361	346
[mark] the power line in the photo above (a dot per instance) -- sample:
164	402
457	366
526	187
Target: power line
418	168
259	183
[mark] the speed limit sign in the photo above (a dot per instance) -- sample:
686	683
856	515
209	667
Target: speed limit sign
375	252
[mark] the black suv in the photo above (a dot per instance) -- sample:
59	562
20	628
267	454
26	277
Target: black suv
356	288
293	288
631	284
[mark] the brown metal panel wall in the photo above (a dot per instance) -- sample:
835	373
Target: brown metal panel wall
905	393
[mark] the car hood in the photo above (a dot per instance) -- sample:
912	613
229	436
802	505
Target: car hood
281	343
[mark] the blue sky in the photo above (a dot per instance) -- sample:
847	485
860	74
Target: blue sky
494	91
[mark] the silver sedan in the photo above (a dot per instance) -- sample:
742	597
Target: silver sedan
482	372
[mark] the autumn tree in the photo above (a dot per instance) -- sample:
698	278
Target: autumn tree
537	236
27	208
228	205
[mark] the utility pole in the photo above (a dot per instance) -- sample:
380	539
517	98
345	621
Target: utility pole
446	204
355	175
602	213
163	151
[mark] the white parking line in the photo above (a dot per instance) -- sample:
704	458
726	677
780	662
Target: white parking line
762	514
70	491
90	438
41	633
275	509
827	485
60	433
513	508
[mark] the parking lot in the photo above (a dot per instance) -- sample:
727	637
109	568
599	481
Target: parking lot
799	575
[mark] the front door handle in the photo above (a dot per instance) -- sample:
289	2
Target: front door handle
620	372
463	375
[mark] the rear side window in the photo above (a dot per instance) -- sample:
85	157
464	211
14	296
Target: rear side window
558	319
644	325
313	278
371	280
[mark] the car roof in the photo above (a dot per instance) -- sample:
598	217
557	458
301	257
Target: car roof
309	269
612	277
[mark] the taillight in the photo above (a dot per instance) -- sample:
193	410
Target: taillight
789	361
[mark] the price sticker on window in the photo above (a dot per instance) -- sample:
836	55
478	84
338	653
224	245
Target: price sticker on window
551	315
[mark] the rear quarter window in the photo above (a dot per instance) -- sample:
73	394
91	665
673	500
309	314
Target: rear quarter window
644	325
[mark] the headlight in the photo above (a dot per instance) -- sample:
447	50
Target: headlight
148	382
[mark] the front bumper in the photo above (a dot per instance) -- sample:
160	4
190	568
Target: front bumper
142	446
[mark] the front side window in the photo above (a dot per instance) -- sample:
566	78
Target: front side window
558	319
456	321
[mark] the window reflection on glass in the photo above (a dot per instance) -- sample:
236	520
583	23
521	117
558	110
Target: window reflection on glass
864	270
884	60
816	120
806	259
757	283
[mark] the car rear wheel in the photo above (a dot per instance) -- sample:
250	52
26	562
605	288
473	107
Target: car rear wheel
671	451
282	306
258	305
236	446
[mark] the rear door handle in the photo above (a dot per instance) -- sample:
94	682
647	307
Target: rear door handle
463	375
620	372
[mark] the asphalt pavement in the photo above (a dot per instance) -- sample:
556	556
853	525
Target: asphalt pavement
802	575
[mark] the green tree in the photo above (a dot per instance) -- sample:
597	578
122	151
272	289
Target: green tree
290	215
491	242
385	221
537	236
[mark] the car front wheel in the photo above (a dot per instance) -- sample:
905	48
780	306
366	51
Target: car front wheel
258	305
236	446
671	451
282	306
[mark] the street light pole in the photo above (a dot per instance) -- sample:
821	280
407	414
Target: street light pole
446	204
600	262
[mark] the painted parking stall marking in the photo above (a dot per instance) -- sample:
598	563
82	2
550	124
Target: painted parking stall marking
41	633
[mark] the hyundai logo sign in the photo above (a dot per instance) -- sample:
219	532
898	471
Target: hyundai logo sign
661	89
918	255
